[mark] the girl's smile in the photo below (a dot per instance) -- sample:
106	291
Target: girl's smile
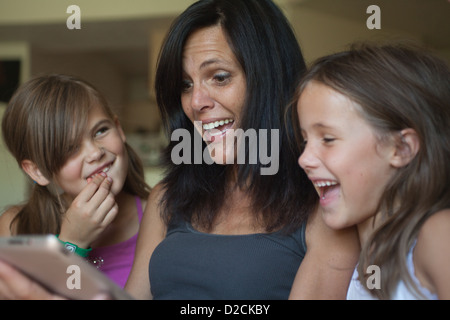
343	157
101	151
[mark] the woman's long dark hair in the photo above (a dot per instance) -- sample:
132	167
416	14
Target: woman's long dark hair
265	46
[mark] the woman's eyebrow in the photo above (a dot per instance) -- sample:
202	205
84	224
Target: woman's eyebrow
209	62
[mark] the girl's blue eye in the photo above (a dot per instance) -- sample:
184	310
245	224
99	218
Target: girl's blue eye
101	131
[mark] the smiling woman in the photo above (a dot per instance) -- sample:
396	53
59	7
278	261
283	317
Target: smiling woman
224	229
216	89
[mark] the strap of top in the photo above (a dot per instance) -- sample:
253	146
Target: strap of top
139	207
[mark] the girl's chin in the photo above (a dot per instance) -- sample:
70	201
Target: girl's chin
333	220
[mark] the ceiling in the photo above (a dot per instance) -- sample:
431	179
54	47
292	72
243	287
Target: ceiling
126	42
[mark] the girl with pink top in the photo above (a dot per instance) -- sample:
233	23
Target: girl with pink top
89	186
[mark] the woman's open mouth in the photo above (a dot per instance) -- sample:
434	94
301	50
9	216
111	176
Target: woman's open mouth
215	129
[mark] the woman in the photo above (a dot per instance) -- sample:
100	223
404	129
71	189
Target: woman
226	231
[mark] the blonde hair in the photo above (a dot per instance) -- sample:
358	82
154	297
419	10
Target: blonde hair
44	122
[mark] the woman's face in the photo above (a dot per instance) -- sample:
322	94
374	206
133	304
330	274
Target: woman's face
214	90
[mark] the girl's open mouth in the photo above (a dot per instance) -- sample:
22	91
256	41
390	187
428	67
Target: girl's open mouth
325	189
104	169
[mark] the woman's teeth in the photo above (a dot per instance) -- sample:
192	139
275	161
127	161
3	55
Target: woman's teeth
215	124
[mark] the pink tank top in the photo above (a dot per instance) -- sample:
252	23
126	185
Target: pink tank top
116	260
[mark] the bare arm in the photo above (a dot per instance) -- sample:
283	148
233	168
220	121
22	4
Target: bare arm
151	232
331	257
6	229
432	255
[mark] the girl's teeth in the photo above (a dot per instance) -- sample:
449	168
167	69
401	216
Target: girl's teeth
322	184
325	184
212	125
106	169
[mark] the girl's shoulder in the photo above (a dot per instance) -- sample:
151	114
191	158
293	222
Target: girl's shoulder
6	218
435	228
431	253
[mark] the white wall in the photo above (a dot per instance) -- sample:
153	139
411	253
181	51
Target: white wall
50	11
321	33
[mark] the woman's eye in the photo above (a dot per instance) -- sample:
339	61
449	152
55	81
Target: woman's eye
185	85
222	78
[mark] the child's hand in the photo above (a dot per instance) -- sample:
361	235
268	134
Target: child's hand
14	285
90	213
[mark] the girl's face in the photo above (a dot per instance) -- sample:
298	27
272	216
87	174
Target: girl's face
214	88
348	165
102	149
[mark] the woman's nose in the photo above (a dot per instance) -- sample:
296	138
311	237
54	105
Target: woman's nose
201	98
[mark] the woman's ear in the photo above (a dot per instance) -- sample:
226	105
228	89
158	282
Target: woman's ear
407	146
33	171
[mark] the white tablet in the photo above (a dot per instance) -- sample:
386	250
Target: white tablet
44	259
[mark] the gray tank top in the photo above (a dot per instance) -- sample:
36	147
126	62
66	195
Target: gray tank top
189	264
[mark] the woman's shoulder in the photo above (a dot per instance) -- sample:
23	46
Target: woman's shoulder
6	218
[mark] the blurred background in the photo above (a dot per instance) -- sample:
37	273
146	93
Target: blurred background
117	47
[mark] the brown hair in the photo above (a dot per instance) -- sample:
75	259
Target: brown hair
397	87
44	122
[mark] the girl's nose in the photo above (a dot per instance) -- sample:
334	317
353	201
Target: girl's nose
93	151
307	159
